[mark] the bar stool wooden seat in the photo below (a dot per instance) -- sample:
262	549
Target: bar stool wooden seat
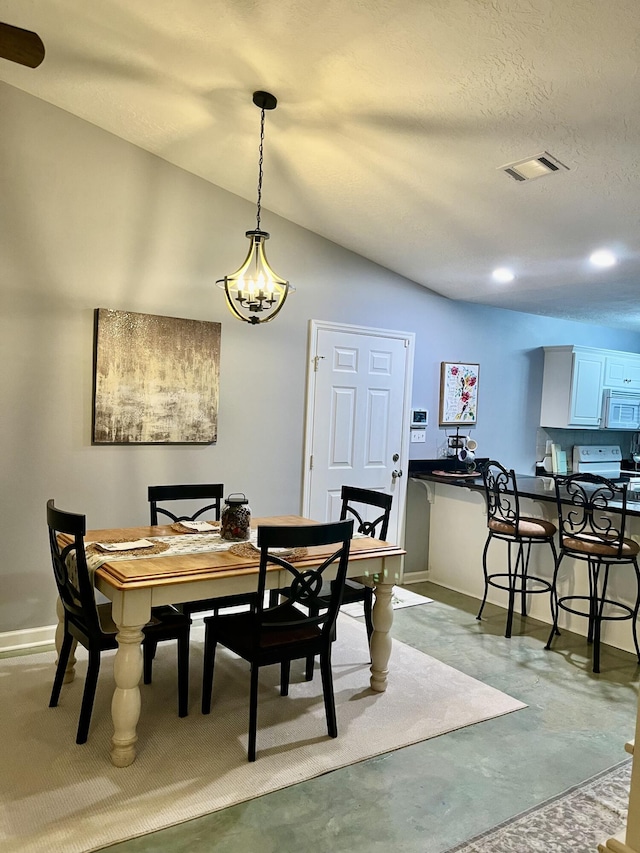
505	523
593	531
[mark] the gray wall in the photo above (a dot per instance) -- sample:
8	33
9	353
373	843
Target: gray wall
90	221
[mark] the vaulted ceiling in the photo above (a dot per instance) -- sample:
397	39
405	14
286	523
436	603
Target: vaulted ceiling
394	120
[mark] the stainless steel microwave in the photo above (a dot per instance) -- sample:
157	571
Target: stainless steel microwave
621	410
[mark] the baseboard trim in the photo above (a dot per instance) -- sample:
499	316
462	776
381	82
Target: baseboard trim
43	637
28	638
414	577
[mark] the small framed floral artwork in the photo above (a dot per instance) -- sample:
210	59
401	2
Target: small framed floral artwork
458	393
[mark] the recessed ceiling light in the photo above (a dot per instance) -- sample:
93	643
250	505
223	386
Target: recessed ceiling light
603	258
503	275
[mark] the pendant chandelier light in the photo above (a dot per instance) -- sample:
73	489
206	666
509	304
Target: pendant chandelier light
254	292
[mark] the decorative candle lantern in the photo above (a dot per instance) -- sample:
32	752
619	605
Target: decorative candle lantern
235	520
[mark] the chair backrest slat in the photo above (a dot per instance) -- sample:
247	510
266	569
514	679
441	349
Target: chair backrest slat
211	492
593	509
501	493
73	580
352	495
305	584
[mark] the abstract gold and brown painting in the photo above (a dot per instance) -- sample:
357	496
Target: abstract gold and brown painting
156	379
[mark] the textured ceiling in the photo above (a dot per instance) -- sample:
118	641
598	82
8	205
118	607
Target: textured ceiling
393	118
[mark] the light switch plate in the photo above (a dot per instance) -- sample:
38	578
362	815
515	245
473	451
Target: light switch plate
418	436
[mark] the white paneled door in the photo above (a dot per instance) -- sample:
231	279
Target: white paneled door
357	417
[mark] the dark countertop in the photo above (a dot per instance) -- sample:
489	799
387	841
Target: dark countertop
529	486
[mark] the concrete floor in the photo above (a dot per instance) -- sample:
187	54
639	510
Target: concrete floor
431	796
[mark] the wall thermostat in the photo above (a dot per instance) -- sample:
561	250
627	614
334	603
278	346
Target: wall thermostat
419	418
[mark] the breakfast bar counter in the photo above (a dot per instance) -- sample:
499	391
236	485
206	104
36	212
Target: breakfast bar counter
529	486
458	531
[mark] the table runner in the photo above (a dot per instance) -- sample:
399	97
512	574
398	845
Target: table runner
181	543
185	543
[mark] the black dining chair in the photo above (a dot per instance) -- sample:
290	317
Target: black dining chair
354	503
289	630
506	523
92	625
592	512
212	494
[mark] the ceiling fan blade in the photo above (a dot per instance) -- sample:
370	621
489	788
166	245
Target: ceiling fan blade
21	46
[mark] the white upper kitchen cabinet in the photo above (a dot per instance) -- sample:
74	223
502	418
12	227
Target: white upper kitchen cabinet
622	372
572	387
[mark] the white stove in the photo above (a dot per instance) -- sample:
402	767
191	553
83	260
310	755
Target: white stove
603	459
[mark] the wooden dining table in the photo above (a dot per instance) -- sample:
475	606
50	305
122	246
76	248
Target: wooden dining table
135	585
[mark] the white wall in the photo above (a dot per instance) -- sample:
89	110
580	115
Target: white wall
88	221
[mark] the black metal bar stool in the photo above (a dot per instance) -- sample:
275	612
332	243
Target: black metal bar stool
592	530
505	523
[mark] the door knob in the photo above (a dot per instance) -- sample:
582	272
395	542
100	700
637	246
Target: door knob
396	474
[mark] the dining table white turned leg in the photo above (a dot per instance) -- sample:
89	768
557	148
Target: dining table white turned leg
70	670
380	645
126	703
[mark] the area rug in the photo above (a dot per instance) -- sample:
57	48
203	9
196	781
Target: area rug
57	797
576	821
400	598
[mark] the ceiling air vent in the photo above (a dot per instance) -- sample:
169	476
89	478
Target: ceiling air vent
533	167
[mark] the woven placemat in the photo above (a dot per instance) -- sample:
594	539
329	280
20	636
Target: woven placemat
246	549
178	527
155	548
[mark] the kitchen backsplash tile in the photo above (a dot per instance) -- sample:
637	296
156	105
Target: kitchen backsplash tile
566	438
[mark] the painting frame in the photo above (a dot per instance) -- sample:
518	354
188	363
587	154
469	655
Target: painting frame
459	383
155	379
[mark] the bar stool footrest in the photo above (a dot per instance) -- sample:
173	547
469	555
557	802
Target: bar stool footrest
629	611
545	585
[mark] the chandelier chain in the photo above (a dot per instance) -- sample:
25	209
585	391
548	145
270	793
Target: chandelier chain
260	169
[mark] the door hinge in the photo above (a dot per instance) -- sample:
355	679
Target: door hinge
316	359
311	462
